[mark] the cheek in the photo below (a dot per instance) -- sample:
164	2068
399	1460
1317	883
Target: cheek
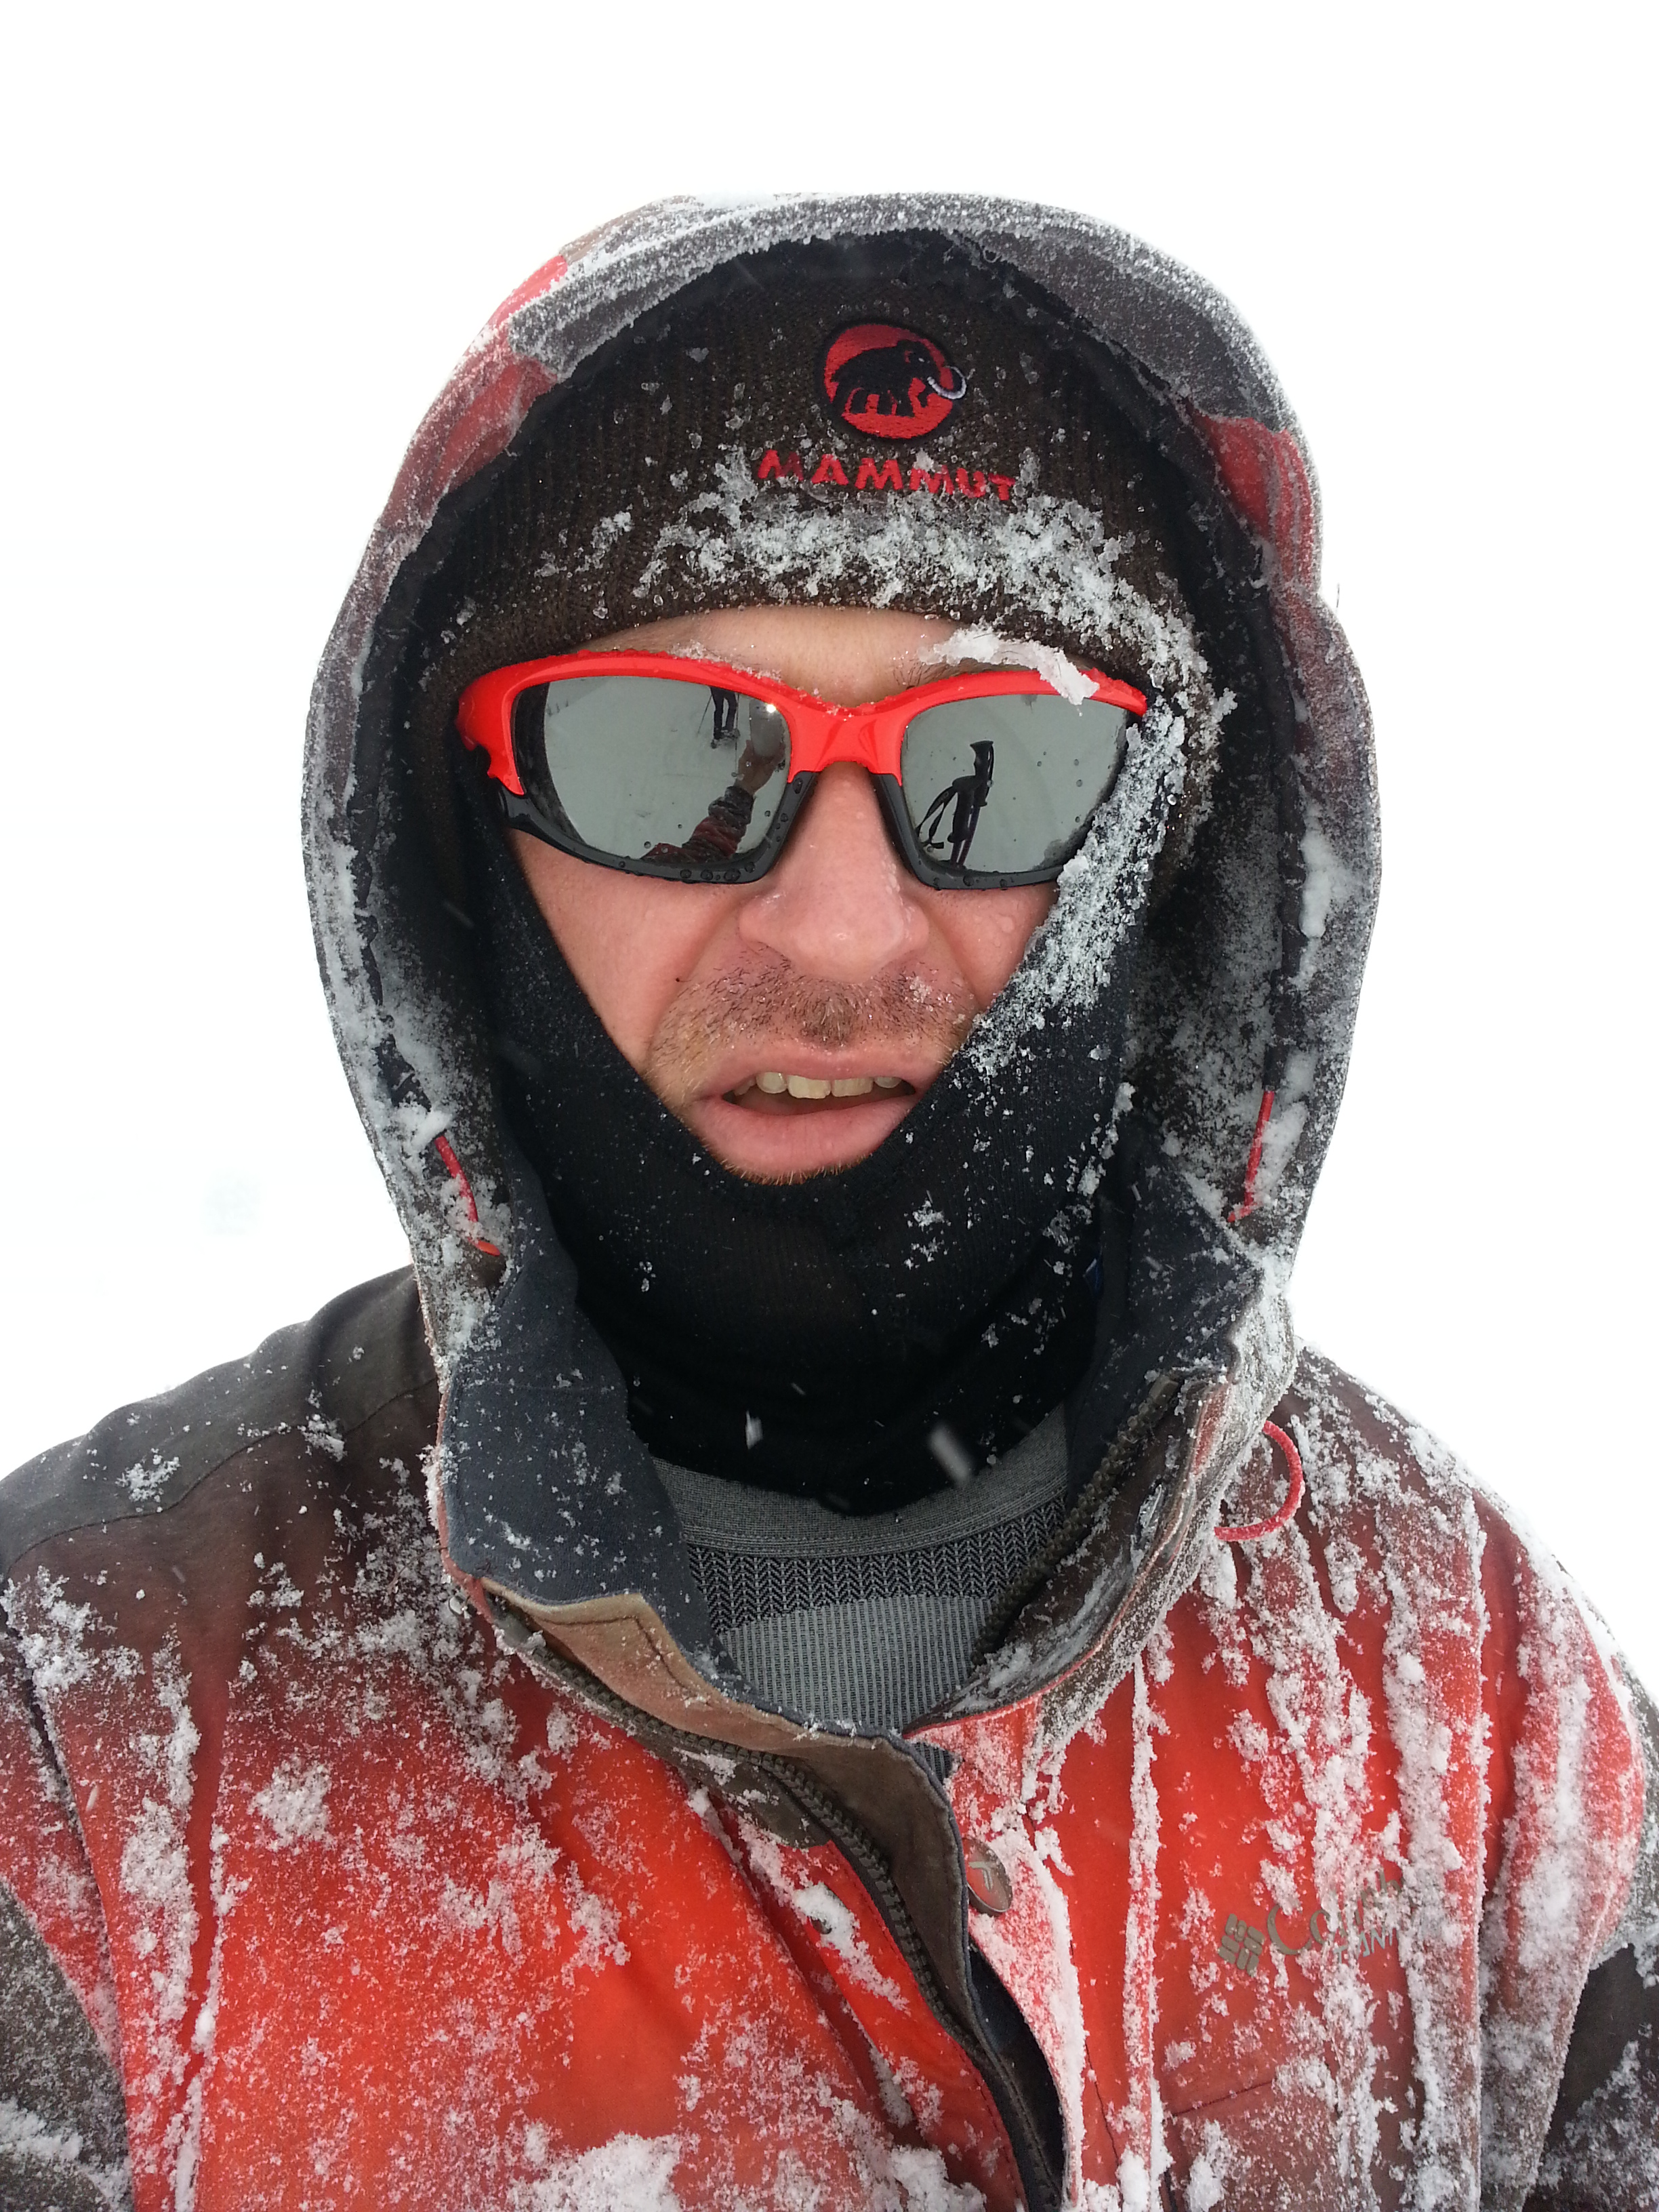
630	941
988	931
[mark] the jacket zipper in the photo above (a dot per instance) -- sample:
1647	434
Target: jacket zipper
859	1849
1042	2184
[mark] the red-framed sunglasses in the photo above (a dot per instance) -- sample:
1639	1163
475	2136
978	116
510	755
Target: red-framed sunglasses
665	766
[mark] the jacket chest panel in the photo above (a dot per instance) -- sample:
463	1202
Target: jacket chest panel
391	1919
1231	1924
564	1951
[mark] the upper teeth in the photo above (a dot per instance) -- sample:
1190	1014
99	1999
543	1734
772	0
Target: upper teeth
817	1086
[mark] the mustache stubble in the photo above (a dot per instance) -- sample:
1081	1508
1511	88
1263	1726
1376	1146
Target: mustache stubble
711	1020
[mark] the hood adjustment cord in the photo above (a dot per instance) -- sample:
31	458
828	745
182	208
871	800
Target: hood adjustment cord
456	1175
1253	1166
1255	1531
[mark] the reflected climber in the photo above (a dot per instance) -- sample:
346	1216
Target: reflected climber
970	793
722	831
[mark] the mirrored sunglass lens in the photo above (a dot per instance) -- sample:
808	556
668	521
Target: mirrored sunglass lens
650	768
1004	787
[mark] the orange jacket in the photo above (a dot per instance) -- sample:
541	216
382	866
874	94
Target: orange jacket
367	1904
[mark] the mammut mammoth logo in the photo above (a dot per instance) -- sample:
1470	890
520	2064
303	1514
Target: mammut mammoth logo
888	382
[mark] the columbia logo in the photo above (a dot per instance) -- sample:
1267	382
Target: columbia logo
1373	1923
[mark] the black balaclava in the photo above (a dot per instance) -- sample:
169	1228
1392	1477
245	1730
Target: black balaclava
843	1338
811	1336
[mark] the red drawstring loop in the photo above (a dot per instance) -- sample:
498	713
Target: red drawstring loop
451	1158
1253	1165
1257	1529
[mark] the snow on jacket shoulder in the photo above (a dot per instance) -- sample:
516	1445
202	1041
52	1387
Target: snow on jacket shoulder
317	1890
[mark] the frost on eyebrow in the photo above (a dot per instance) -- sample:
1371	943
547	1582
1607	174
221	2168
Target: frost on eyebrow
985	649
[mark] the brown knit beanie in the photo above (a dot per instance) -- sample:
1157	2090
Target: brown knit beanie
888	422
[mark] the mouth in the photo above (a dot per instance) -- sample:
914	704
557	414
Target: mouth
779	1124
773	1092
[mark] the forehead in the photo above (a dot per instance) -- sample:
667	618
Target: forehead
844	654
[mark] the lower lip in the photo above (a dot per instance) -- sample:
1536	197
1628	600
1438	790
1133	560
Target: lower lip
783	1137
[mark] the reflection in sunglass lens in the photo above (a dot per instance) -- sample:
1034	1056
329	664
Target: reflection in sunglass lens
646	768
1005	786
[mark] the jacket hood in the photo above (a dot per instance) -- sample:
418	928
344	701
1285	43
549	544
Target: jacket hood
1244	988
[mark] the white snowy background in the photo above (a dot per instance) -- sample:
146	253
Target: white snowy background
243	247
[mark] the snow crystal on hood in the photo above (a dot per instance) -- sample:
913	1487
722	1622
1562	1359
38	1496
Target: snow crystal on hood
1103	891
1327	883
371	1012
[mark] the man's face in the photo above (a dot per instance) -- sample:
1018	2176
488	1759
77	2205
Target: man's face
791	1023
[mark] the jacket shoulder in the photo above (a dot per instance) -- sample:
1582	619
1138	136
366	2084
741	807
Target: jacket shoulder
1365	1442
319	1379
1371	1467
1373	1471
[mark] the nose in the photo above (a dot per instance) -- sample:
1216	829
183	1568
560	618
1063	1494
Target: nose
839	903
